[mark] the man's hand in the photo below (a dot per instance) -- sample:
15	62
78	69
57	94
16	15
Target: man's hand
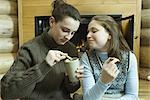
55	56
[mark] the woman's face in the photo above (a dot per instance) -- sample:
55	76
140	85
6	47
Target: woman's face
64	30
97	36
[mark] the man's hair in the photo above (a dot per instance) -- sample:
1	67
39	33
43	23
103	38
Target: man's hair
62	9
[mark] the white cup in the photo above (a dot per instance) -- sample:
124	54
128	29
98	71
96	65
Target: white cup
71	67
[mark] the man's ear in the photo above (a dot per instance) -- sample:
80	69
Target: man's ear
109	37
51	21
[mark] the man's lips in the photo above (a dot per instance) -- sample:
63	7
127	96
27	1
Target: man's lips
64	40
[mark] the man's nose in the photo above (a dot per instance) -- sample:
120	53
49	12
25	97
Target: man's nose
69	36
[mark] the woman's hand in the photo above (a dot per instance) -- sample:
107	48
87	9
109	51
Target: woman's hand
109	70
55	56
80	72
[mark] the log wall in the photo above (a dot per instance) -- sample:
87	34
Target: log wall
8	34
145	41
144	70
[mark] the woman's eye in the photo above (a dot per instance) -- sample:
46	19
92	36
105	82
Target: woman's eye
94	31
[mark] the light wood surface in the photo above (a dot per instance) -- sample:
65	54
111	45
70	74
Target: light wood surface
8	7
145	18
8	45
8	26
145	56
144	90
145	48
144	73
6	60
146	4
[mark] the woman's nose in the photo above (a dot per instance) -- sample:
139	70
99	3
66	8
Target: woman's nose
88	35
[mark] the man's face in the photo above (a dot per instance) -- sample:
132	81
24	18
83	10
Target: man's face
64	30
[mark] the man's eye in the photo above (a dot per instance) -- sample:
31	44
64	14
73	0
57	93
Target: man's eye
73	33
64	30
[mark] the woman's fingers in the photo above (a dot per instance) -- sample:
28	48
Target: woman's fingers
110	68
80	77
80	72
112	60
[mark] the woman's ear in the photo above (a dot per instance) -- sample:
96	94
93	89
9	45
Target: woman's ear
51	21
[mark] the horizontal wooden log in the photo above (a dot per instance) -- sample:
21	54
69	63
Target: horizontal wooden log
145	37
145	48
8	45
9	0
8	7
144	73
8	26
146	4
145	56
6	60
144	90
145	18
145	32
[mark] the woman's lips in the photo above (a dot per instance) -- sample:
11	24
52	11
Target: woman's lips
90	40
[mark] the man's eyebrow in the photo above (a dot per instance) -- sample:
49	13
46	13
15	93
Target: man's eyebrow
65	28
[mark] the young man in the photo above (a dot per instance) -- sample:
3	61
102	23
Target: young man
38	71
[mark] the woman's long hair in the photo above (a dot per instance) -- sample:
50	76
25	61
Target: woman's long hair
118	43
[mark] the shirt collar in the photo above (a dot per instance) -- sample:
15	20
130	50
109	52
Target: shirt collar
49	41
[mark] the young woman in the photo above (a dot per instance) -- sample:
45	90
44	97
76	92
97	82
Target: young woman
38	72
110	68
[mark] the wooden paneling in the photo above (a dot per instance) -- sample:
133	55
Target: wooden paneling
36	2
20	22
137	29
32	11
124	9
28	9
144	90
100	1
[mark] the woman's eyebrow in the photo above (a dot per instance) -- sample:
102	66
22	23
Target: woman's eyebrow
92	28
